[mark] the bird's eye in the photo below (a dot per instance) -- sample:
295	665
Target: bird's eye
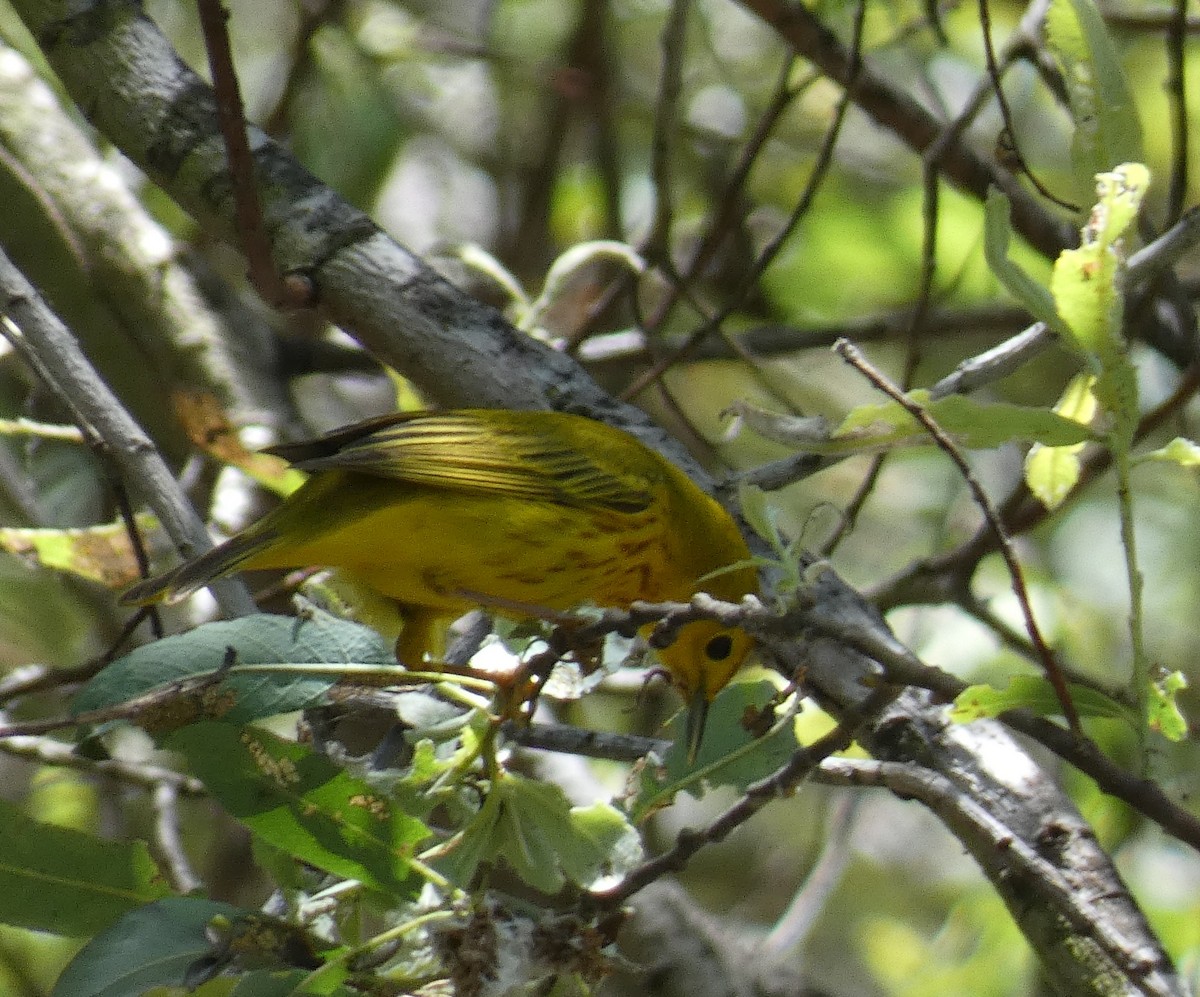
719	648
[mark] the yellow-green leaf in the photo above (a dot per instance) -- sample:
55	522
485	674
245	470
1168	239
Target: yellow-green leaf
1052	471
1086	284
98	553
975	425
1084	280
1031	692
997	234
1185	453
1162	707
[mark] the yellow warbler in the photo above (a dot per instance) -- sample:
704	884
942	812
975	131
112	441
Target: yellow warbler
444	511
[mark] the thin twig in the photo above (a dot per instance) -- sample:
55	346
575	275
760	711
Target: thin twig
754	273
1021	512
911	122
780	783
231	116
48	751
666	116
1021	37
855	506
42	430
903	667
1166	250
1162	18
996	363
848	352
798	921
930	203
1013	148
570	740
731	195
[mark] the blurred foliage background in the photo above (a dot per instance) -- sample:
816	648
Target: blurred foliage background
526	127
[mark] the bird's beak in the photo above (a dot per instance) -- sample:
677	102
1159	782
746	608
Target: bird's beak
694	729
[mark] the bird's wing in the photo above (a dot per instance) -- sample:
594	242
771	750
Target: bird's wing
539	458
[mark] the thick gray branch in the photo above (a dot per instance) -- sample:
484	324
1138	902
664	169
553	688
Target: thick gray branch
132	85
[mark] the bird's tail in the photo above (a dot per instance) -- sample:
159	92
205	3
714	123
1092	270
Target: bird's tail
191	576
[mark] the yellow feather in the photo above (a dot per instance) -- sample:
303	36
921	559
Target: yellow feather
443	511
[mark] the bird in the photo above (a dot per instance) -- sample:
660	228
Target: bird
517	511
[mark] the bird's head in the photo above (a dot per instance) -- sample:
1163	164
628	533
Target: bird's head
701	660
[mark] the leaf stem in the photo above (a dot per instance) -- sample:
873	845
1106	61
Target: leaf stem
1133	574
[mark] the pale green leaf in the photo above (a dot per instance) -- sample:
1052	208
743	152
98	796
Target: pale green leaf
577	257
1078	400
1052	471
531	827
760	515
1162	709
997	234
1107	128
1181	451
1086	284
799	431
1032	692
478	258
1084	280
601	842
984	425
973	424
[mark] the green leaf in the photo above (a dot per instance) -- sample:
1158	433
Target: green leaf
1032	692
1184	452
975	425
1162	708
1107	128
58	879
997	233
729	755
1052	471
761	515
884	425
533	828
303	803
798	431
602	843
155	945
1086	284
262	640
983	425
1083	281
